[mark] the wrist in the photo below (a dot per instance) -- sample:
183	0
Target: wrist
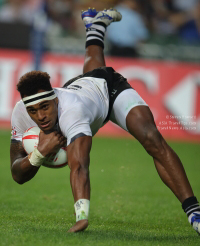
42	151
36	158
82	207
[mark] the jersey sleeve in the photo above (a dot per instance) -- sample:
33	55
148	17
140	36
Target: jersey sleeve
20	122
75	122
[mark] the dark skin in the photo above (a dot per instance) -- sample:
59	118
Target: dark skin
140	124
79	150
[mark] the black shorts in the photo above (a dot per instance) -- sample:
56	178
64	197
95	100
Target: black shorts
116	83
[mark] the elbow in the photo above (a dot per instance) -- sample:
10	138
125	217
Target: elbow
16	176
17	179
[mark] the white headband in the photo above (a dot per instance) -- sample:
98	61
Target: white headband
39	97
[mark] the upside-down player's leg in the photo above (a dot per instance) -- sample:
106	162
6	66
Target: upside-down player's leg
96	23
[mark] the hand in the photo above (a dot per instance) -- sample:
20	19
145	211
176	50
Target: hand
81	225
50	143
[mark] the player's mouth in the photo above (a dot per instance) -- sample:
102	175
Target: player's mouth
45	125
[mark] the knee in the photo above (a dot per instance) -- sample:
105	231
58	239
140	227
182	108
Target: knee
154	143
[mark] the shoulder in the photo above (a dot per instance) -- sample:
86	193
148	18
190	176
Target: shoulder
66	98
19	108
75	122
20	118
76	110
18	121
74	115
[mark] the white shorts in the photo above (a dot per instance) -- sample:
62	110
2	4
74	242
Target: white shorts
124	102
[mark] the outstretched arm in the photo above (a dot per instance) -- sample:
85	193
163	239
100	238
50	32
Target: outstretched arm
78	161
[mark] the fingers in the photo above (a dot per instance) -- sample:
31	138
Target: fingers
62	140
79	226
63	143
59	140
49	143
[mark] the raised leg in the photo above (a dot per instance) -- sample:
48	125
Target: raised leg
94	58
96	24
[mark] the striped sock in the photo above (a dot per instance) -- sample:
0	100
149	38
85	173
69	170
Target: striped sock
191	206
95	34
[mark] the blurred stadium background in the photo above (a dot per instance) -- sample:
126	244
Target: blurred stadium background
156	46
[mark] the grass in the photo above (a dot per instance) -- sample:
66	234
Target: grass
129	203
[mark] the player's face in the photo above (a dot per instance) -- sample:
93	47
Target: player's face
44	114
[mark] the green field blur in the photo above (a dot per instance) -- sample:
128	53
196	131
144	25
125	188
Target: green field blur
129	203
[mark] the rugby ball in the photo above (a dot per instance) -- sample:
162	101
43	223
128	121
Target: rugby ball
30	141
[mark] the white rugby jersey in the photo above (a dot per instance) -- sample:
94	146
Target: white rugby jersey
82	108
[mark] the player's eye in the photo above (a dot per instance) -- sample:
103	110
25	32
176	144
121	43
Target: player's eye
31	111
45	106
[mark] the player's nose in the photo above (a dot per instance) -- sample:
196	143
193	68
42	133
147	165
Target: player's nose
40	115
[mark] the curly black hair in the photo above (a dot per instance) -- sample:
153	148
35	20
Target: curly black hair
31	82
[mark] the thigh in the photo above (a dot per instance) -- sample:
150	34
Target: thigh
140	124
125	102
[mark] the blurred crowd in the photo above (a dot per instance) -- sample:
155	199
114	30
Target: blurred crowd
140	19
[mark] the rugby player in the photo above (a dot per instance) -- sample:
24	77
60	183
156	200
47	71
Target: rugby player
77	111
